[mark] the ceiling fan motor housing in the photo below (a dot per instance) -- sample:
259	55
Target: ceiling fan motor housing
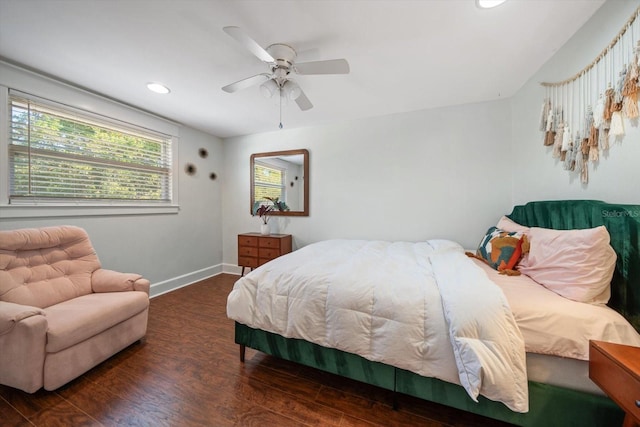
283	54
284	57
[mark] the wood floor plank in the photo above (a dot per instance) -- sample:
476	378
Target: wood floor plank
10	417
63	414
186	372
29	404
350	421
285	381
257	416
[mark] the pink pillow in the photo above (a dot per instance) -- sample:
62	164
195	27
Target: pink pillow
511	226
576	264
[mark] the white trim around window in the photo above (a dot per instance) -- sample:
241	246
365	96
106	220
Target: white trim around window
26	81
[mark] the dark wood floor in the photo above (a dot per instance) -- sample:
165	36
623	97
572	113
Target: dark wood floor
186	372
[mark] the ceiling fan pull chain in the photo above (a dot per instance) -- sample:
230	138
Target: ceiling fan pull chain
280	94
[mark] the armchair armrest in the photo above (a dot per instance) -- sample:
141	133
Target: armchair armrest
103	280
11	314
23	335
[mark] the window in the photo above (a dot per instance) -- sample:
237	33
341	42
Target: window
268	182
59	154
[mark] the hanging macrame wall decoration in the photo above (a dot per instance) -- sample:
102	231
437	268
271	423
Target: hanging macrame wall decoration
583	115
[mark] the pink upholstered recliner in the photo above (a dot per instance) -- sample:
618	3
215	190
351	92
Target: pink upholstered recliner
60	313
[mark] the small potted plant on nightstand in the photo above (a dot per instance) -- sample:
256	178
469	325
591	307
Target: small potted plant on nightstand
262	210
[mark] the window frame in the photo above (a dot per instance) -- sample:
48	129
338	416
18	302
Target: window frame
103	109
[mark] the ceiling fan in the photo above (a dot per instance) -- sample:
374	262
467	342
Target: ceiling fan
281	61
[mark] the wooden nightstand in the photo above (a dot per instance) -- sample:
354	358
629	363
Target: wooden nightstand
255	249
615	368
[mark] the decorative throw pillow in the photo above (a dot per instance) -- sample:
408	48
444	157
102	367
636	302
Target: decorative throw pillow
501	249
509	225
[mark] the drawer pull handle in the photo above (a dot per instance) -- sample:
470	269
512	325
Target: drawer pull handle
638	403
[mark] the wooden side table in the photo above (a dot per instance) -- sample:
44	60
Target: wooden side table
255	249
615	368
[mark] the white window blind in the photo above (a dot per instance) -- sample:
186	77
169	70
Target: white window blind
57	153
268	182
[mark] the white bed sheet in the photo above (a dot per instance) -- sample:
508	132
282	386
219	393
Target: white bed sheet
554	325
562	372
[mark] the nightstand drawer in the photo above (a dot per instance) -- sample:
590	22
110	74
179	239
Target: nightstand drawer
248	261
247	251
269	242
268	253
610	369
244	240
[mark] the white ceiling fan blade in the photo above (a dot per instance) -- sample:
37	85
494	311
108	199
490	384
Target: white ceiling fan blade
245	83
332	66
303	102
250	44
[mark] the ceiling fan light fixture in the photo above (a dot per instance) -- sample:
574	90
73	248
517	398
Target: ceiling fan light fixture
269	88
292	90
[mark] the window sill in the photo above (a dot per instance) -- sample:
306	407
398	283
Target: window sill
68	210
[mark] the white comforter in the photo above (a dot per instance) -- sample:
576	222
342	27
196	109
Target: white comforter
424	307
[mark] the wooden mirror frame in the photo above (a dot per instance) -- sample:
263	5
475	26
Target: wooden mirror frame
305	167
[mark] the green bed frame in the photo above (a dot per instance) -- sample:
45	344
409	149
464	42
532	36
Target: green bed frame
548	405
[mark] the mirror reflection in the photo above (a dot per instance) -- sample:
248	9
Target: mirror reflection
281	178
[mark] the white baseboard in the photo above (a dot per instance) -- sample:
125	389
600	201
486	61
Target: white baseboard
184	280
233	269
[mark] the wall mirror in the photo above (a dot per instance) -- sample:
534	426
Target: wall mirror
283	175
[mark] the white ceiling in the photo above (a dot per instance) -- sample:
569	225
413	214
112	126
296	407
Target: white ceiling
404	55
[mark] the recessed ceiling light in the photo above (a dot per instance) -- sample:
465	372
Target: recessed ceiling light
488	4
158	88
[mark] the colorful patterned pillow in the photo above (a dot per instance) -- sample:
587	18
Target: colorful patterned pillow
500	249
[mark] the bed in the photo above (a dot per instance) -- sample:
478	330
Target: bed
557	390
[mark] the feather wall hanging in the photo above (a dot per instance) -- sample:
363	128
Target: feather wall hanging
582	116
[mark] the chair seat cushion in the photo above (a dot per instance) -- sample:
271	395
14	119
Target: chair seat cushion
78	319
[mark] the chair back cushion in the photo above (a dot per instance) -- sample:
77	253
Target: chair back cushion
44	266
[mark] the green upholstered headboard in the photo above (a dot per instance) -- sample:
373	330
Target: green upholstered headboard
623	224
